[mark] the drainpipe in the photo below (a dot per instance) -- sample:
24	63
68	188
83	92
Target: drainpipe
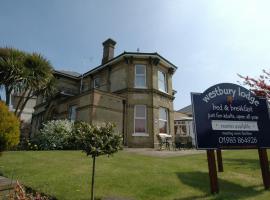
81	84
124	120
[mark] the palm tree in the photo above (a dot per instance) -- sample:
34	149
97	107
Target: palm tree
11	69
37	80
26	74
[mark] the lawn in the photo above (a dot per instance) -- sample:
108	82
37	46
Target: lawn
67	175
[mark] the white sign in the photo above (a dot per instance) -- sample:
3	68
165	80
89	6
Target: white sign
234	125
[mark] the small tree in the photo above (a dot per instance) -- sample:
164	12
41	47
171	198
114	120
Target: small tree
260	86
96	141
9	128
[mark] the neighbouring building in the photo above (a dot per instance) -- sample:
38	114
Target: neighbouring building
133	90
26	116
183	123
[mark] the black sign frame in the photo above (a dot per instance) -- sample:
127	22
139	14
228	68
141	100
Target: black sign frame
237	96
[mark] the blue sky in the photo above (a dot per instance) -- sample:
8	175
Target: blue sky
209	41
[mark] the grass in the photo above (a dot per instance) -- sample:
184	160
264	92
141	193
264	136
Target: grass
67	175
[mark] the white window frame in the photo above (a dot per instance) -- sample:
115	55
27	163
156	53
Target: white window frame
145	118
94	81
167	116
141	75
165	81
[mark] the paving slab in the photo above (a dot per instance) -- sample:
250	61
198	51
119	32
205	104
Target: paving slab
163	153
5	186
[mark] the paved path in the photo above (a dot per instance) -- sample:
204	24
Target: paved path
163	153
5	185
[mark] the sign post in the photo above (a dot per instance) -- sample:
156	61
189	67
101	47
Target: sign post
264	167
212	171
228	116
219	160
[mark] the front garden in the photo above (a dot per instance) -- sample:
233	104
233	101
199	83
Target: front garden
67	175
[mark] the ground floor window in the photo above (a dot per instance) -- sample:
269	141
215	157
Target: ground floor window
72	113
140	120
163	120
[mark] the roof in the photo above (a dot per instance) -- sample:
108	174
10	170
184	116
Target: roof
187	109
70	74
76	75
135	54
184	119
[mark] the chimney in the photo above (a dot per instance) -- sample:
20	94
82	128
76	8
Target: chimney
108	50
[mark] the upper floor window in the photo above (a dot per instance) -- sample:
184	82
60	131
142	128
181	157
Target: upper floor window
140	120
72	113
162	82
97	82
163	120
140	76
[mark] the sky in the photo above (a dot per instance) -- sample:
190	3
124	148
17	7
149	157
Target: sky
209	41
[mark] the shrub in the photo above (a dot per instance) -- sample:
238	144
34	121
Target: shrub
55	134
9	128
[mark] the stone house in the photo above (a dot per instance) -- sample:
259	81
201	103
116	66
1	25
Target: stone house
26	116
132	90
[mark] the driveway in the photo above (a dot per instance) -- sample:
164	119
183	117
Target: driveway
163	153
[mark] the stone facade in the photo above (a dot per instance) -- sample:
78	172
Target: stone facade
108	93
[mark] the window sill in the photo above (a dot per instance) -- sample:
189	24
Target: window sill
163	91
140	134
137	87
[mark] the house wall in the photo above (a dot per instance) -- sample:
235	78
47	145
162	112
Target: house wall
152	98
107	108
118	77
68	85
115	99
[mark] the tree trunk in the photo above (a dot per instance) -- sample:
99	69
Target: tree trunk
24	104
93	177
8	91
19	102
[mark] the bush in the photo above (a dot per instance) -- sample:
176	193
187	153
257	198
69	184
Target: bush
55	135
9	128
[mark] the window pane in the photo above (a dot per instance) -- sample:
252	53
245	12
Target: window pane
163	113
140	126
96	82
140	69
140	111
162	126
162	81
72	113
140	81
161	85
161	76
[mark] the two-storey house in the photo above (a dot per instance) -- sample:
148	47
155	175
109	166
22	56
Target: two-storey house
132	90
